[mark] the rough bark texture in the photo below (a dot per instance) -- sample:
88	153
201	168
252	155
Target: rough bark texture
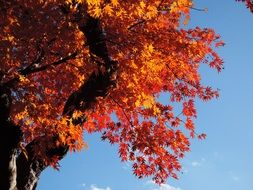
10	136
17	172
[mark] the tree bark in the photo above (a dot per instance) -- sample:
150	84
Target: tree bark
20	172
10	136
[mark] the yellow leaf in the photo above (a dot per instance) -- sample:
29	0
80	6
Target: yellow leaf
150	48
115	2
142	4
186	20
96	12
108	10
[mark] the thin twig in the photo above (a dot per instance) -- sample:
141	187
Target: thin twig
144	20
58	62
197	9
40	56
130	122
135	24
181	79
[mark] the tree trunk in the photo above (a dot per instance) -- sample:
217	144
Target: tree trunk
10	136
21	172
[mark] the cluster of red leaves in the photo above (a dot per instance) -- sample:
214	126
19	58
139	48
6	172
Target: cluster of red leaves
249	4
155	56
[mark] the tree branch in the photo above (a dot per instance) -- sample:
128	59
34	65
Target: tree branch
97	85
34	69
31	70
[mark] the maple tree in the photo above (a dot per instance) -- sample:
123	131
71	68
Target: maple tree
71	66
248	3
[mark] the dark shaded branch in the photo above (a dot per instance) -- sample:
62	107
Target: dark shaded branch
97	85
95	38
31	70
136	24
37	60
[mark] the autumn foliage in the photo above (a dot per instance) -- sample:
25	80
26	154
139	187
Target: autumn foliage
100	66
248	3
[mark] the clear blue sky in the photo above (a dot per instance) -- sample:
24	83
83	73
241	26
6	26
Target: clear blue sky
224	160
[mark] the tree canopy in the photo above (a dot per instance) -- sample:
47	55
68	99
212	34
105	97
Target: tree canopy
76	66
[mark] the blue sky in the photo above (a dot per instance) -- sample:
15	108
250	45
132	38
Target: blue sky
225	159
